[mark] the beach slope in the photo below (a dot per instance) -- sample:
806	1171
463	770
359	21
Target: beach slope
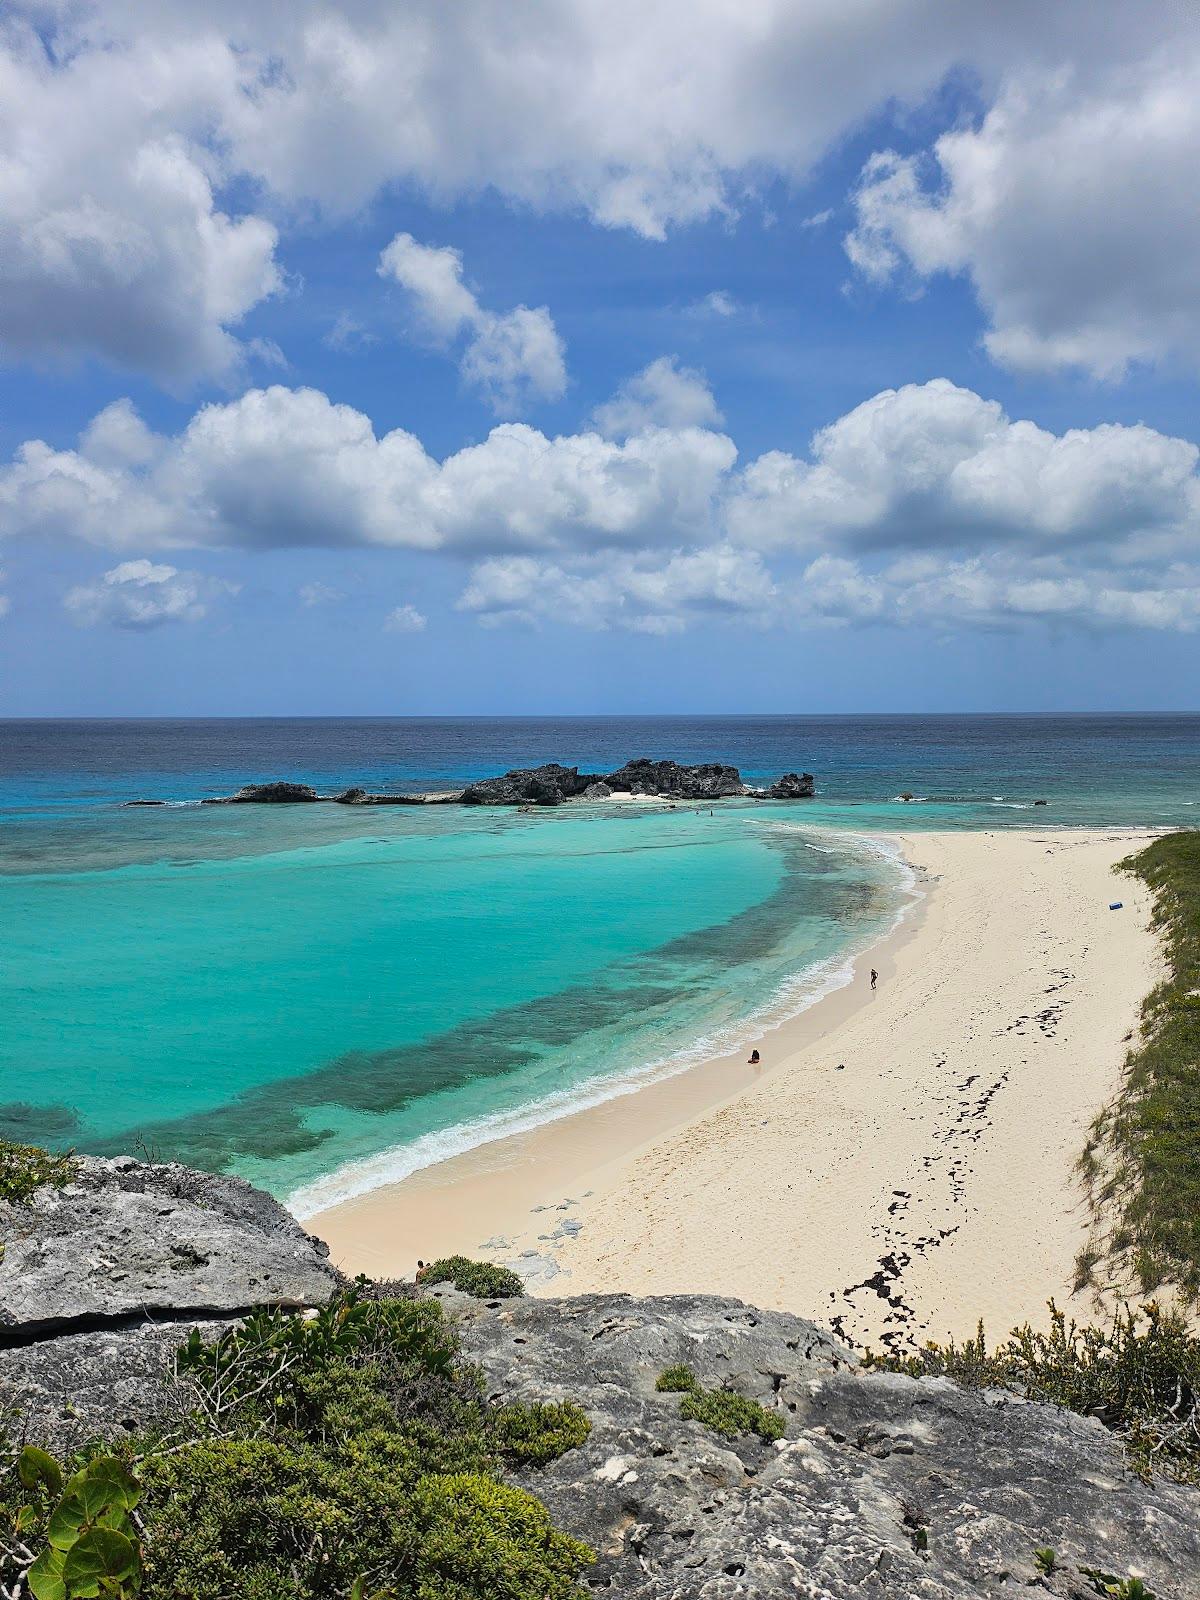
902	1163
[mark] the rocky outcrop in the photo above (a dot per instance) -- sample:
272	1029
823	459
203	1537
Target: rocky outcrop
128	1240
882	1484
709	781
362	797
547	785
792	786
275	794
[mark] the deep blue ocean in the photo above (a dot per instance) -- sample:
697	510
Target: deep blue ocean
322	997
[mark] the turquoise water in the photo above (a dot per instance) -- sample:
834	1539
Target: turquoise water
320	998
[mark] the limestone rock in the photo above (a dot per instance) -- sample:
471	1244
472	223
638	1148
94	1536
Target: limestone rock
547	785
271	794
708	781
127	1239
104	1384
883	1485
792	786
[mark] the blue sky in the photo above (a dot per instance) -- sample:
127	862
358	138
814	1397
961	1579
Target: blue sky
374	359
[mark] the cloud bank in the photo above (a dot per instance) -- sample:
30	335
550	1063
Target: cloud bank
153	153
923	504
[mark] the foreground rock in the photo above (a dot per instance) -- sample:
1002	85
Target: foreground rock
130	1240
882	1485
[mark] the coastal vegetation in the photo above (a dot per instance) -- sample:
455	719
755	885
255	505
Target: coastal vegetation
725	1412
346	1452
1141	1378
24	1169
1142	1159
483	1279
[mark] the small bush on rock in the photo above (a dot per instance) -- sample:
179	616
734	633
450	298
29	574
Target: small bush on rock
24	1169
533	1435
482	1279
677	1380
721	1410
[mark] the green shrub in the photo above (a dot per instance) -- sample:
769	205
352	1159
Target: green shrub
677	1380
721	1410
532	1435
730	1414
1142	1162
256	1520
482	1279
24	1169
1141	1378
347	1454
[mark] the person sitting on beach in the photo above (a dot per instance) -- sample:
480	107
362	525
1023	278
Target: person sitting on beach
874	977
754	1060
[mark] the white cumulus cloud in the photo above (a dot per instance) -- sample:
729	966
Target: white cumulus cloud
662	395
405	619
152	151
925	502
144	594
1066	209
513	358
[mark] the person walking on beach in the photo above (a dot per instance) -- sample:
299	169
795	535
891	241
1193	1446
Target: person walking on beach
874	977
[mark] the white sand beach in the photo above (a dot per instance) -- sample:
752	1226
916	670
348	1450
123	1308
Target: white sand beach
902	1163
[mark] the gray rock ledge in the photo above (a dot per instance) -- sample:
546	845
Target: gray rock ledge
837	1508
127	1239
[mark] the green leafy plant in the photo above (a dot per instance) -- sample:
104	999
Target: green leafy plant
91	1545
1118	1588
1141	1377
721	1410
482	1279
1046	1561
24	1169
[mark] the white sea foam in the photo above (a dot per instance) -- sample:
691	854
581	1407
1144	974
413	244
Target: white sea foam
794	996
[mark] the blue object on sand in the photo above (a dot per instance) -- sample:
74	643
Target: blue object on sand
1114	905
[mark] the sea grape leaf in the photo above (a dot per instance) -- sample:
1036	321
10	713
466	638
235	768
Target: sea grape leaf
100	1558
103	1487
45	1576
35	1466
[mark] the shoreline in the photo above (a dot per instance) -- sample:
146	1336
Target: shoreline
677	1186
804	991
